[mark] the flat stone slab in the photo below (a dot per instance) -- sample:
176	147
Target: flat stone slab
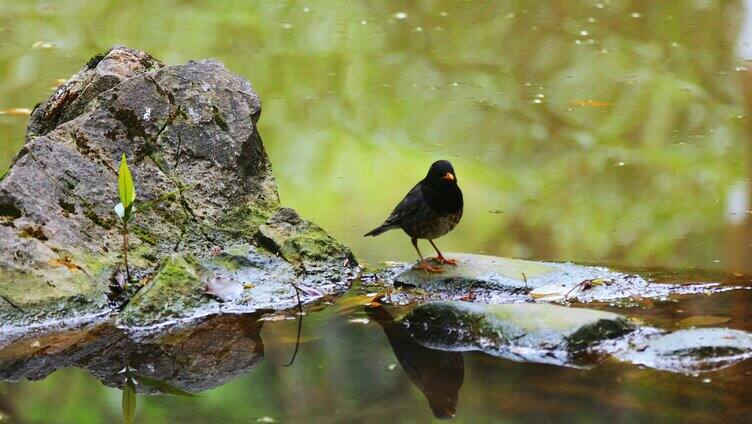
491	279
481	270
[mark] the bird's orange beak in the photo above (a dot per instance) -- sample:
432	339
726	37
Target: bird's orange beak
448	177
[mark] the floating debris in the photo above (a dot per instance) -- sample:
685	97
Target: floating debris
42	45
590	103
20	111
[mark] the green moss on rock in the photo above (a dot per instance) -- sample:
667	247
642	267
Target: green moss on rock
98	266
230	261
204	183
299	241
311	244
175	291
28	296
143	234
244	221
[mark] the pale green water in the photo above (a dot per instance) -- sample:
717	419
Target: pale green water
593	131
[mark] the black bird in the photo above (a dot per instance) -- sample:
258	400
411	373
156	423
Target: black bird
431	209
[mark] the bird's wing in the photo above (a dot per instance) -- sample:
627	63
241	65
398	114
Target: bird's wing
412	202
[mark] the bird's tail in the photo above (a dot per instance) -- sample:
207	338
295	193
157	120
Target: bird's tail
378	230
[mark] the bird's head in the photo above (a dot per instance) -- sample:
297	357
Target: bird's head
441	172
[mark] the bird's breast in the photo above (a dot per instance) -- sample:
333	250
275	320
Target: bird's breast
432	225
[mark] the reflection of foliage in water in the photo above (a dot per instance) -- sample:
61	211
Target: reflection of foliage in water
358	101
350	372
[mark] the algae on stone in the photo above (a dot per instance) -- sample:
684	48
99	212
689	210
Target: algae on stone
27	297
240	279
175	291
299	241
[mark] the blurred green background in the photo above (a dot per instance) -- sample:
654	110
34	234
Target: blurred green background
593	131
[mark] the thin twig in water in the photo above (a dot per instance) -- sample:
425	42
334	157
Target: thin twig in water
584	285
300	326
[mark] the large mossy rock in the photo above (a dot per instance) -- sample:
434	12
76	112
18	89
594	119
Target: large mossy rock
520	331
204	185
492	279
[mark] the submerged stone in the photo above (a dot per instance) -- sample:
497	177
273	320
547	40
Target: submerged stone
526	332
566	336
204	185
691	350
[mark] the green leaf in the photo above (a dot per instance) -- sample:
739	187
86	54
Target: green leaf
129	399
125	186
162	386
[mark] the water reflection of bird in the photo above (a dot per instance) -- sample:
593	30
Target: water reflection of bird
429	210
438	374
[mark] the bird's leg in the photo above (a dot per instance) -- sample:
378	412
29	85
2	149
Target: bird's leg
423	264
441	258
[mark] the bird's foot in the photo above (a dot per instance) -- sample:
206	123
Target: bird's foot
442	260
425	266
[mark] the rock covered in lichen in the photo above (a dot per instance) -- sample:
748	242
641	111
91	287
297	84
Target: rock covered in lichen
203	180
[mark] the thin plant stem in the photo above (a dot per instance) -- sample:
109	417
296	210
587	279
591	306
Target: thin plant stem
125	252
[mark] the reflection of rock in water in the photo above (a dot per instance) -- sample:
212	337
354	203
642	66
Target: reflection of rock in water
438	374
194	357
